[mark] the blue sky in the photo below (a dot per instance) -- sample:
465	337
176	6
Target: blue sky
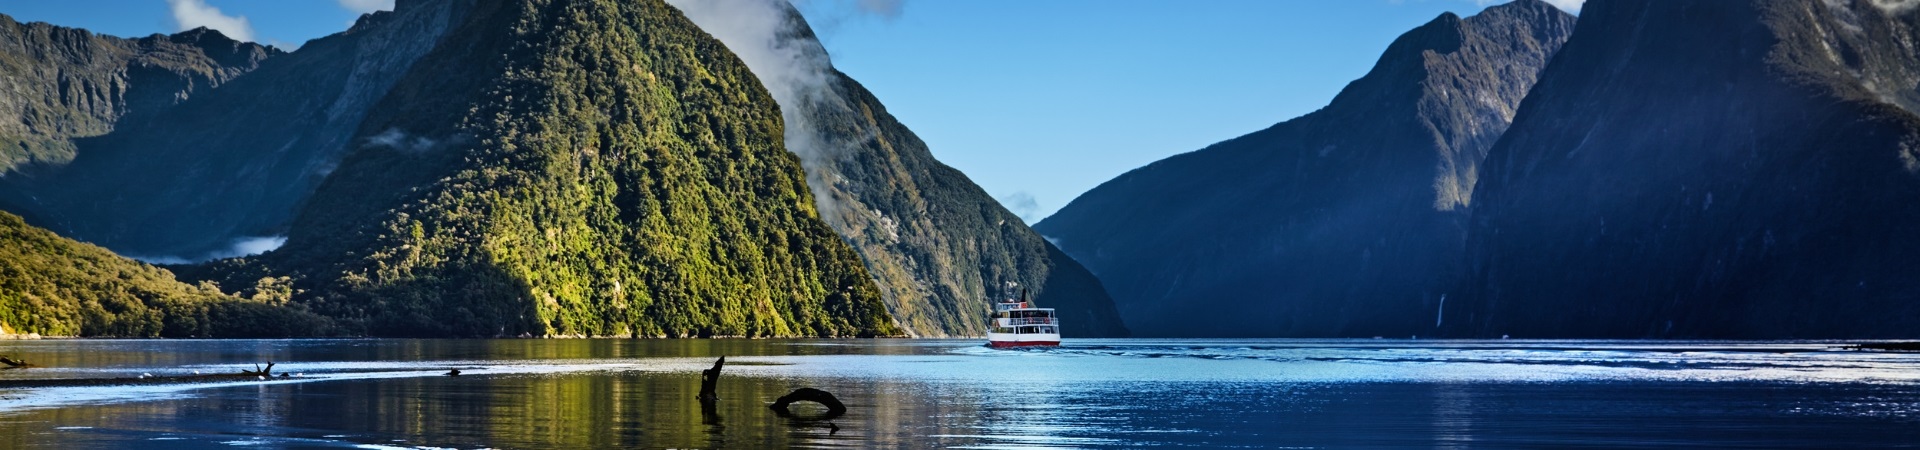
1037	101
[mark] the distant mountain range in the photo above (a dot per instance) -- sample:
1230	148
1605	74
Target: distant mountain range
1343	222
232	163
525	168
1736	169
65	84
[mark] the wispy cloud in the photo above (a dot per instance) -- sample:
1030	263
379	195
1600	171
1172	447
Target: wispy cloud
367	6
190	14
1895	6
1022	204
883	8
246	246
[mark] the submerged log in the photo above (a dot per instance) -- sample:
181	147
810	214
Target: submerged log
15	363
834	407
709	378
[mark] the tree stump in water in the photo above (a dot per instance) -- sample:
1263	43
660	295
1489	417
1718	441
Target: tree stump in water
834	407
709	378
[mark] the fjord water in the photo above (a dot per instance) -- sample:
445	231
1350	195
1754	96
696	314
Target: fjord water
954	393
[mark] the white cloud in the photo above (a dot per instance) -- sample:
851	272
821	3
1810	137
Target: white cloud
246	246
190	14
1571	6
1895	6
367	6
1021	203
249	246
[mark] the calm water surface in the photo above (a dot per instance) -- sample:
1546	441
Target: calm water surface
389	394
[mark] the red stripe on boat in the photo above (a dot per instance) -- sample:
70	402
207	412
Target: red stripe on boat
1000	344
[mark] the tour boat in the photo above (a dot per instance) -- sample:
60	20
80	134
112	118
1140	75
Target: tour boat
1019	324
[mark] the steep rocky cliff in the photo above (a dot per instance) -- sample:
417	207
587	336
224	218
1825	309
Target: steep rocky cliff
1708	169
939	246
67	83
1349	221
237	161
573	168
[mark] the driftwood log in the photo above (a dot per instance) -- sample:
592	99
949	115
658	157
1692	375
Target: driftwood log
15	363
257	371
709	378
834	407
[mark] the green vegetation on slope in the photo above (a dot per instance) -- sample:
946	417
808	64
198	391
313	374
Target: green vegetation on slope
55	286
940	248
945	248
574	167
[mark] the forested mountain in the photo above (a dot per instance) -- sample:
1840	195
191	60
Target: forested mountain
51	285
573	167
1709	169
233	162
66	83
939	246
1348	221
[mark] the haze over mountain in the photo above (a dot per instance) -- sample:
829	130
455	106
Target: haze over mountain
941	248
576	167
1343	222
236	170
1709	169
232	163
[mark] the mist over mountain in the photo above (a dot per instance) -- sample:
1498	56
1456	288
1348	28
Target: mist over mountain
573	168
1708	169
54	286
1347	221
940	247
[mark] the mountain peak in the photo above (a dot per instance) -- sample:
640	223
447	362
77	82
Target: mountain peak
1372	187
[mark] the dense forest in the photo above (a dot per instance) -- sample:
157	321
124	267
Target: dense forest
940	247
55	286
573	168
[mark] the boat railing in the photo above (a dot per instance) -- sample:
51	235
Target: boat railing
1027	321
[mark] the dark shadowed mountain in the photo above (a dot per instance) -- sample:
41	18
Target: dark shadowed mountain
1349	221
68	83
572	168
939	246
1709	169
237	161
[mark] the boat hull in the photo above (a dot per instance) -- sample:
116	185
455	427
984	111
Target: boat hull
1008	340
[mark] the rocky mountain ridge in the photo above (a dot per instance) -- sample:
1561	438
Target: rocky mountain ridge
1342	222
